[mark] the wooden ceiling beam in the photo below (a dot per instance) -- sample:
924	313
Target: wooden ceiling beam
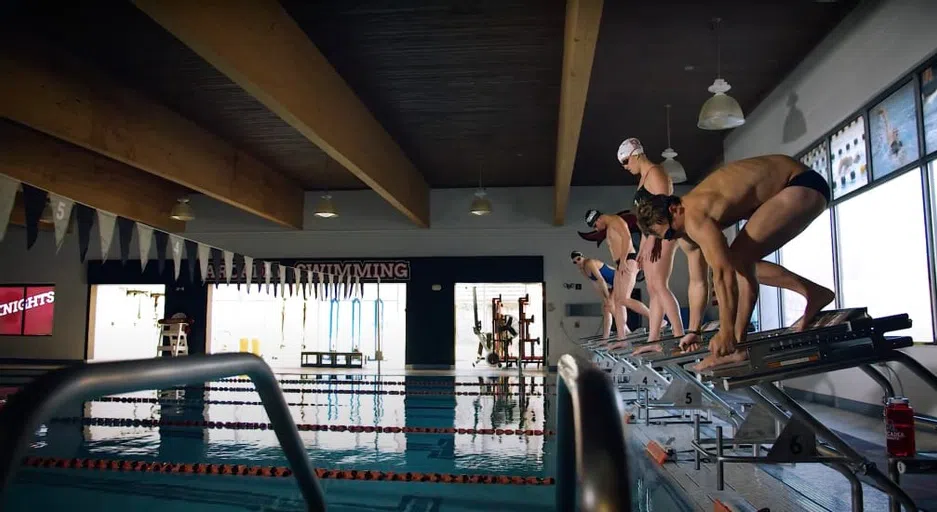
71	101
261	48
582	31
69	171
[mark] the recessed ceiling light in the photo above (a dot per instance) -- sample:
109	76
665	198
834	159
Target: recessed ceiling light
689	67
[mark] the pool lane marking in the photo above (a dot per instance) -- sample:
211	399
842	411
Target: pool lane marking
241	425
277	471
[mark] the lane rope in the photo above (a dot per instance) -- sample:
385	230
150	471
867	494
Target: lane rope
407	392
277	471
241	425
415	383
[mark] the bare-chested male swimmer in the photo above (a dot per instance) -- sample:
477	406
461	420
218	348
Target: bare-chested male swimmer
618	233
779	197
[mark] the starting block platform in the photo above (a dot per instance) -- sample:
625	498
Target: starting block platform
748	410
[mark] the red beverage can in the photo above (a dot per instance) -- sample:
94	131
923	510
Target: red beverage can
899	428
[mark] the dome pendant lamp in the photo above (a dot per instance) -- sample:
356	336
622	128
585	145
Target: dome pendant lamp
674	169
721	112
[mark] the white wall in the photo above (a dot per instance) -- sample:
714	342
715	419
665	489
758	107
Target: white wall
873	47
368	227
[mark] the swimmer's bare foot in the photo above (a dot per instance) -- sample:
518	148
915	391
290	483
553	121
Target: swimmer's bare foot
817	298
616	346
646	349
711	360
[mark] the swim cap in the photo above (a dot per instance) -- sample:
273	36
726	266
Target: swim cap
575	254
629	147
592	216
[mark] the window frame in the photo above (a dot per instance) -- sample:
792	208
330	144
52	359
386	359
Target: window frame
926	162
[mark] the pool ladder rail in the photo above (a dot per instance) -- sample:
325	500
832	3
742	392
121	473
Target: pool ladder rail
24	411
591	462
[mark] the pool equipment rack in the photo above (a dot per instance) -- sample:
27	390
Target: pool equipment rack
523	339
775	422
23	412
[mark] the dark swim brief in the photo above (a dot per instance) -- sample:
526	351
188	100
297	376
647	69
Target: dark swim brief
812	179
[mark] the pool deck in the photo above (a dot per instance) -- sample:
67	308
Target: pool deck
782	487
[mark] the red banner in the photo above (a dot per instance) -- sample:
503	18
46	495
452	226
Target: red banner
26	310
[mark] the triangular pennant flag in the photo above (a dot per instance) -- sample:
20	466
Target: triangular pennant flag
216	265
204	254
274	277
304	276
312	283
358	289
267	272
228	265
175	246
297	278
290	277
191	250
34	200
162	241
61	216
348	287
84	216
8	189
248	272
106	222
124	235
238	263
330	290
282	281
145	241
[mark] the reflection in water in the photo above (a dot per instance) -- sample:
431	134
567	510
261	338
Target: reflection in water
508	406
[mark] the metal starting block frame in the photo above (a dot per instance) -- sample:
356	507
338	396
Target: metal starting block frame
856	342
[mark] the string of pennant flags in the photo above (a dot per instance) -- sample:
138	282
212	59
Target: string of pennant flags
312	283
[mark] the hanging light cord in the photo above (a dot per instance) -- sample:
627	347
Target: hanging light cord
668	126
716	22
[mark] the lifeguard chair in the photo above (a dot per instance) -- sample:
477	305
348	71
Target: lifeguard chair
174	336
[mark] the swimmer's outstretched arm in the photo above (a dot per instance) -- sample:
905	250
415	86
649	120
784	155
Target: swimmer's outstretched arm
712	242
698	289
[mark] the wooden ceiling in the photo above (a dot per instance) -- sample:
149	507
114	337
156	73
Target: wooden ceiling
469	90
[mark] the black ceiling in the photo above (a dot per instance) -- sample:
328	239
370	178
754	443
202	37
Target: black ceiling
469	86
640	60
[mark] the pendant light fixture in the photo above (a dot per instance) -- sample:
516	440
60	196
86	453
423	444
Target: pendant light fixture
674	168
182	211
721	112
325	209
46	217
480	205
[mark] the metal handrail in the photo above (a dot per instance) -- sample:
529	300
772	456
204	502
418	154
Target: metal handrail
21	415
591	462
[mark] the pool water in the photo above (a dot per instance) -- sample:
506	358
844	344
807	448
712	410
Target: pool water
105	430
223	423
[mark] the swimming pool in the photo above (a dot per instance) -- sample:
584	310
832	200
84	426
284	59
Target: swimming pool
463	442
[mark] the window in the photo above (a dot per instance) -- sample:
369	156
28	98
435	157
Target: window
847	152
893	128
809	255
818	159
26	310
884	253
929	101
